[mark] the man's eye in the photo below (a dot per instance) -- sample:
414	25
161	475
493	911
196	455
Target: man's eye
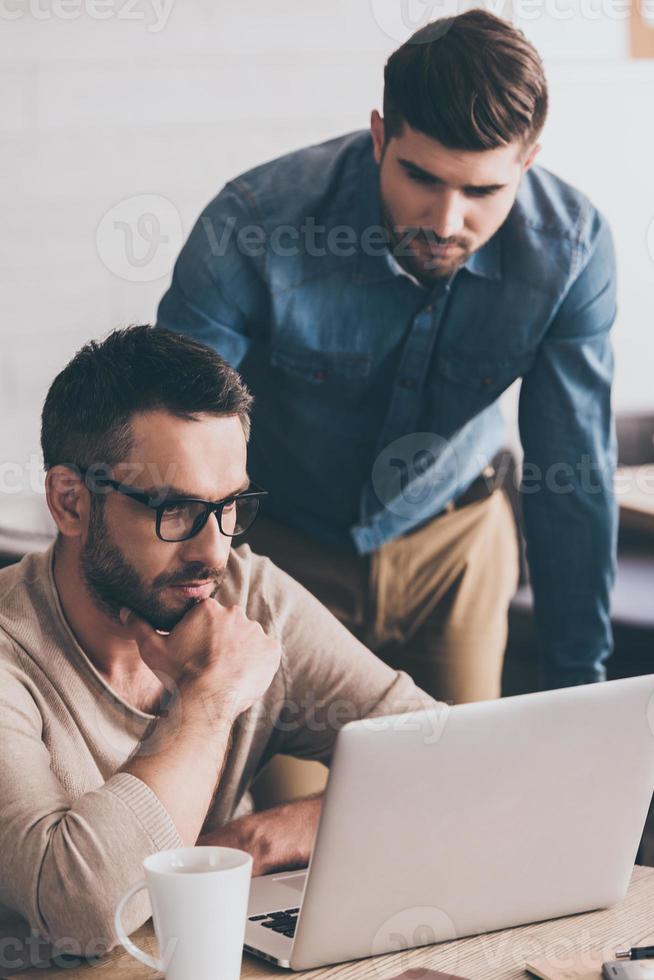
229	507
173	510
480	193
419	178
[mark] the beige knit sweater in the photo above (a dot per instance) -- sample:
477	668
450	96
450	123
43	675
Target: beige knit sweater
73	831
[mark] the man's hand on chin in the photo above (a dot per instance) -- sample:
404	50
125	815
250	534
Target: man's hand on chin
279	839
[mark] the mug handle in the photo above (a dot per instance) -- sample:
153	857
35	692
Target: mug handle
124	940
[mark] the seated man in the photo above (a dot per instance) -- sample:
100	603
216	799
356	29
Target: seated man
147	670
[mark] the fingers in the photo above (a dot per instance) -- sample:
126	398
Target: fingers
152	646
135	624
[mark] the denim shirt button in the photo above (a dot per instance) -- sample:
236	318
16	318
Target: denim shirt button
407	383
319	375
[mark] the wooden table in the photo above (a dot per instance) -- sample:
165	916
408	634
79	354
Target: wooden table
493	956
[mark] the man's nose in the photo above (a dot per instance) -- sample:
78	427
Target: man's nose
446	215
209	546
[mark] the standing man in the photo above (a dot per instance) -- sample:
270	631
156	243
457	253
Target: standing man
379	292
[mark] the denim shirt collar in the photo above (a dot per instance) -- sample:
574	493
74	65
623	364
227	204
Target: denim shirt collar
487	260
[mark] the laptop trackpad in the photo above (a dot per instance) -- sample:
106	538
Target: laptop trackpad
292	882
269	893
274	893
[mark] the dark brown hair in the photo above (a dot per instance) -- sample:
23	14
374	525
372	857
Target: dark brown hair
472	82
88	409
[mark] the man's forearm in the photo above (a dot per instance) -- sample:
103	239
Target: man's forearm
279	839
184	772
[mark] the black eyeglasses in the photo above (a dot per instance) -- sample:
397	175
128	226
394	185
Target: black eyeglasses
181	518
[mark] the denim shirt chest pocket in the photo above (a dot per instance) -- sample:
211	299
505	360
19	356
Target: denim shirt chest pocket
328	374
464	384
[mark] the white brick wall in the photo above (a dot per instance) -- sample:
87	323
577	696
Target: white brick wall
96	111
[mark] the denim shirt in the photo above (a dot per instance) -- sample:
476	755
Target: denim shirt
376	399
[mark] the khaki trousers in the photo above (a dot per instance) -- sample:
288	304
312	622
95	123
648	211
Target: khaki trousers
433	603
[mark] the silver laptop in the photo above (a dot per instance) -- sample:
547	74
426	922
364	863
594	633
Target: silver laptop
459	820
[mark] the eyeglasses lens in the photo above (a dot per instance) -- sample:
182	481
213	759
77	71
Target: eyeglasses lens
185	519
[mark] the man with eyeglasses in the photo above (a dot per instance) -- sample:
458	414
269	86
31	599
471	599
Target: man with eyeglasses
148	670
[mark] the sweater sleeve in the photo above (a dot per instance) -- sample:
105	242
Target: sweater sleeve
65	863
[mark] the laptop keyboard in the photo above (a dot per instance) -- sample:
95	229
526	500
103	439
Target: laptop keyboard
283	921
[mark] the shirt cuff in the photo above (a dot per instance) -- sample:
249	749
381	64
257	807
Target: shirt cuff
147	808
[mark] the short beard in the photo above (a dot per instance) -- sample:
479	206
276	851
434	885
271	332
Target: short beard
113	582
399	247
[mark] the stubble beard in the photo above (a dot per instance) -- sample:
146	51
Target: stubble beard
402	242
113	582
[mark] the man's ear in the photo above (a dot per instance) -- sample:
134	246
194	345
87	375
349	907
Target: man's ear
378	134
531	156
68	500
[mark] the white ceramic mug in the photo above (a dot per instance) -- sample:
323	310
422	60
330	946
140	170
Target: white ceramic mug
199	898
